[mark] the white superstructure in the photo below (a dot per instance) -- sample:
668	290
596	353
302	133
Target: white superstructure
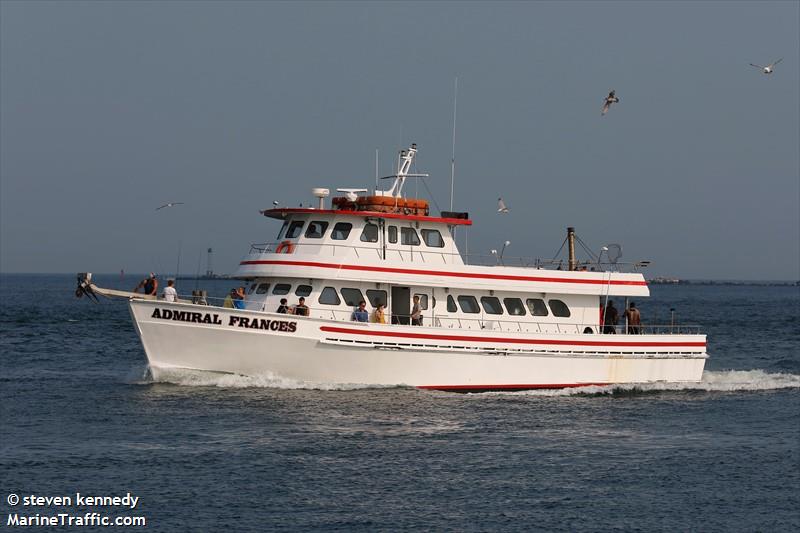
483	327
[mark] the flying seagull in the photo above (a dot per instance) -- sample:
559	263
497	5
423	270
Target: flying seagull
170	204
769	68
501	206
610	99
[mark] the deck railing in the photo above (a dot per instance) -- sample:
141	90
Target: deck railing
424	254
484	324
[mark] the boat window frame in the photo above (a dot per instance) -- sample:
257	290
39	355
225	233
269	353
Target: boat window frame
474	300
374	302
282	231
521	306
304	293
275	288
427	232
326	291
356	301
493	300
364	232
451	304
323	223
392	234
266	288
407	230
423	300
337	229
532	308
295	224
561	302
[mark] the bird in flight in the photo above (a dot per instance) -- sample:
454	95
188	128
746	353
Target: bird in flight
610	99
501	206
769	68
170	204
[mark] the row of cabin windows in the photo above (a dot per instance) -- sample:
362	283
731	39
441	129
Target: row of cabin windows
341	231
491	306
468	304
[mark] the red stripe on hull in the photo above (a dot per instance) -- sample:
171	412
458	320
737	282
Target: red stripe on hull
470	338
442	273
515	387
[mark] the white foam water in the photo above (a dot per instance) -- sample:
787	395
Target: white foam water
201	378
713	381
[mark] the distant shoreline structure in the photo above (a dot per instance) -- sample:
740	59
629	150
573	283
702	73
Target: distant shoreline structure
723	282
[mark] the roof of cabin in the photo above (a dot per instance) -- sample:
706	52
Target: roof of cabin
283	212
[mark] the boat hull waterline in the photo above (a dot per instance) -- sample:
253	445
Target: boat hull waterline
315	350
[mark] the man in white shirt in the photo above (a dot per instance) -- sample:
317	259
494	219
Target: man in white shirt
170	294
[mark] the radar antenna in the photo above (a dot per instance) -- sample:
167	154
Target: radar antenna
403	166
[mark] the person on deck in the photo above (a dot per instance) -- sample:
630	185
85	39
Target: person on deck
416	312
170	294
301	309
361	314
238	298
379	316
283	308
228	302
634	319
611	318
149	284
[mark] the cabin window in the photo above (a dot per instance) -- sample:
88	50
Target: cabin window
341	231
559	308
370	233
423	301
514	306
451	304
491	305
283	229
537	307
282	288
468	304
409	237
295	229
302	290
376	297
352	297
393	234
252	288
316	229
433	238
329	296
262	288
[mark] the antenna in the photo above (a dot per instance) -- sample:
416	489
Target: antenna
376	171
453	158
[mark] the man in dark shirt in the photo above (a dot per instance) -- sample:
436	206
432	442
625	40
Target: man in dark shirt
301	309
611	318
149	284
283	308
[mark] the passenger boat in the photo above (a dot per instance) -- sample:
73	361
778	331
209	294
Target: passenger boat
483	327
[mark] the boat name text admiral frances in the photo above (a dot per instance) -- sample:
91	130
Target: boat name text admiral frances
233	320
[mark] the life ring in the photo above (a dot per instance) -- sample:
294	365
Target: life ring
286	247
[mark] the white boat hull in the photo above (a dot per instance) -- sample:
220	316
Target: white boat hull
326	351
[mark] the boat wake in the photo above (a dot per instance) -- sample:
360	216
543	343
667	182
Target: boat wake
713	381
719	381
201	378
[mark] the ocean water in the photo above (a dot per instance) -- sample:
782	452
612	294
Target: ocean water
205	452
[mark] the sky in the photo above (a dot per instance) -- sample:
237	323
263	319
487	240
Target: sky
111	109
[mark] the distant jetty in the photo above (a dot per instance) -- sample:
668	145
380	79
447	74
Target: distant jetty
722	282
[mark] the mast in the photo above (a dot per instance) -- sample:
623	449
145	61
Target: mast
453	158
571	243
